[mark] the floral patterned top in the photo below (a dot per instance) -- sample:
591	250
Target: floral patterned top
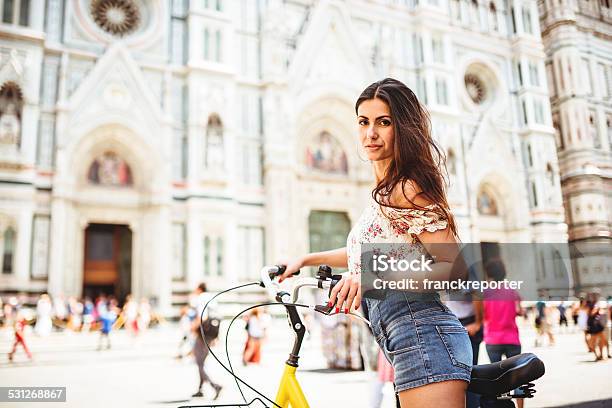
403	227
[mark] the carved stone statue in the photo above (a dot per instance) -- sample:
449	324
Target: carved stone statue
214	149
214	156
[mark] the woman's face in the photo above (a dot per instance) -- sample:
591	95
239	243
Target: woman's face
375	129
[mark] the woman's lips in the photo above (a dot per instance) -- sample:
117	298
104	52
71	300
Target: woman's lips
373	147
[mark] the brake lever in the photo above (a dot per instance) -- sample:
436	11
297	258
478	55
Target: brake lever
324	274
326	310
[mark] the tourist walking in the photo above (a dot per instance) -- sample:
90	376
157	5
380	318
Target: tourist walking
200	350
19	326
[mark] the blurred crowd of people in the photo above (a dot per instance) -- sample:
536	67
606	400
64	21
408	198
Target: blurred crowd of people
590	316
102	314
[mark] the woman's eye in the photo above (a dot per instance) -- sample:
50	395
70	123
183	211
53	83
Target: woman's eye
363	122
385	122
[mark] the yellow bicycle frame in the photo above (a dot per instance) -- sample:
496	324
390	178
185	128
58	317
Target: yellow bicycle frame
289	390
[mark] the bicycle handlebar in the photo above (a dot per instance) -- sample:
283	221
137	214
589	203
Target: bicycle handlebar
324	280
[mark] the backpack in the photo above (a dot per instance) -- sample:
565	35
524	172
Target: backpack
595	325
210	327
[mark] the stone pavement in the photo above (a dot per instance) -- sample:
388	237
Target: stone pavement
142	372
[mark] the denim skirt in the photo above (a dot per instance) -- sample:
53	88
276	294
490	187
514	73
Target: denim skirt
422	339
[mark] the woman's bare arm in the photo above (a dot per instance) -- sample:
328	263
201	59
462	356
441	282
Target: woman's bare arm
336	258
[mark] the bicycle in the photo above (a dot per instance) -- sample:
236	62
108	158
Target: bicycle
497	383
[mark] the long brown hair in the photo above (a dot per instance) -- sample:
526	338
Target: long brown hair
416	156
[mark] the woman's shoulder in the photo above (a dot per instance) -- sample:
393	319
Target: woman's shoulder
409	211
409	195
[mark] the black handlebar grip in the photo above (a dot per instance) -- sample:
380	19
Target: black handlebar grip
280	270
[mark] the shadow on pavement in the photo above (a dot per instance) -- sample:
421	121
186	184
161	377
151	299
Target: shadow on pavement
178	401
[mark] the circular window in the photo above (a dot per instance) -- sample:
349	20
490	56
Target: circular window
481	87
475	88
117	17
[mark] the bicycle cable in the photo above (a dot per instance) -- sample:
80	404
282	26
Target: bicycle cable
230	326
231	370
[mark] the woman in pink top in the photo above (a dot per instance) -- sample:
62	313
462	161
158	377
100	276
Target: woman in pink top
501	306
384	374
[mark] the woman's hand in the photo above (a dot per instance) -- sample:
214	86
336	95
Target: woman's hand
347	293
292	267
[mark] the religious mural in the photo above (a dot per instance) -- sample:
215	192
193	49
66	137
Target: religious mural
110	170
486	203
325	154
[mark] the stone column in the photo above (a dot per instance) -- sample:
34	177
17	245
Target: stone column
279	178
24	238
156	255
195	256
230	254
37	17
57	253
135	227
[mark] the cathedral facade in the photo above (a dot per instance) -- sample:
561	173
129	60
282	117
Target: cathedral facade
147	145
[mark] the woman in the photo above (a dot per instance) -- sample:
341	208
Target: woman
44	323
255	333
583	318
384	374
429	349
501	307
130	315
596	331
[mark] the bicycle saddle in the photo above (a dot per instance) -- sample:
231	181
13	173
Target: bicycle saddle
506	375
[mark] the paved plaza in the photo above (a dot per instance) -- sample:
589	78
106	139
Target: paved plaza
143	372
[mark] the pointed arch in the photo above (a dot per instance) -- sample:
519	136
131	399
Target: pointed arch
8	250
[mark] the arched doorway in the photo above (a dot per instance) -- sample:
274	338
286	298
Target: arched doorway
107	250
107	265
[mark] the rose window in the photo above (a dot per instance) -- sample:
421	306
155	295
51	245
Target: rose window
475	88
117	17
